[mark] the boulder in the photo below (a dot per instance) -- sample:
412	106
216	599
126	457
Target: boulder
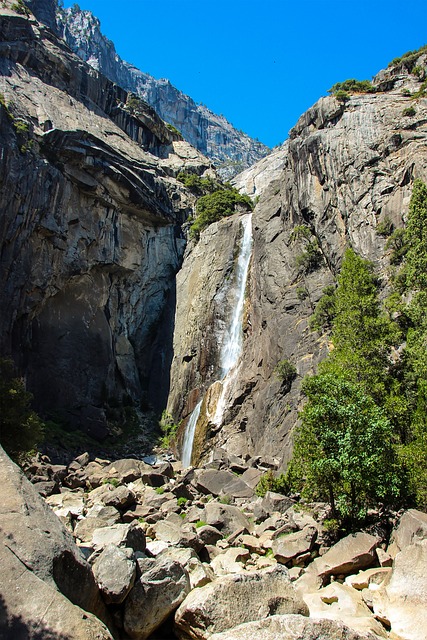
126	470
122	535
32	608
412	526
98	517
401	600
41	547
208	534
289	546
342	602
252	476
291	627
234	599
177	534
115	572
161	587
226	518
211	481
121	498
364	579
231	561
349	555
276	502
68	503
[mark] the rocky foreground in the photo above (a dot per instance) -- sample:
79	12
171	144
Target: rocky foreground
123	549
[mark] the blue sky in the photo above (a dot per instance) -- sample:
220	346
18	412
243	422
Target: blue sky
261	63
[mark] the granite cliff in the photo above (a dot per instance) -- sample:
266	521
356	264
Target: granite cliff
90	227
347	167
231	150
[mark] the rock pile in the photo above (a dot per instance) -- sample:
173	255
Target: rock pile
195	553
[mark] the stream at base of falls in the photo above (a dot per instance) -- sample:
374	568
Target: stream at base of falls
232	342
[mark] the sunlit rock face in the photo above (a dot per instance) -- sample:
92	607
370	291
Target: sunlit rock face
230	149
345	169
91	234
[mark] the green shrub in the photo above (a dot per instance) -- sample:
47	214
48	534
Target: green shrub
385	227
286	372
200	523
214	206
21	429
174	130
324	312
269	482
199	186
302	293
182	501
310	259
300	232
352	86
20	8
168	429
160	490
341	96
397	242
225	499
408	59
113	481
409	111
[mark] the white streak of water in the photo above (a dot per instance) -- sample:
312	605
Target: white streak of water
232	342
190	430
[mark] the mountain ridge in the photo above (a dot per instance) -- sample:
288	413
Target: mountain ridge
230	149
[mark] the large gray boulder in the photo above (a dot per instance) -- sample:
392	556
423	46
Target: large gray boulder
40	560
289	546
115	572
349	555
221	482
226	518
291	627
234	599
159	590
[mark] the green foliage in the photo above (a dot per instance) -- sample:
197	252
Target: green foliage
362	333
168	429
310	259
422	91
20	8
408	59
324	312
302	293
344	448
385	227
174	130
160	490
397	242
200	523
342	96
416	234
214	206
199	186
286	372
300	232
21	430
409	112
352	86
113	481
182	501
269	482
21	127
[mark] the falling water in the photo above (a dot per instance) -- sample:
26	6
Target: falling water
190	430
232	342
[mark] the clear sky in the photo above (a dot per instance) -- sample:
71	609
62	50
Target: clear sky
261	63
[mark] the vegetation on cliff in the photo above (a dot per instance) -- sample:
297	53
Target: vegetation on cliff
363	434
21	430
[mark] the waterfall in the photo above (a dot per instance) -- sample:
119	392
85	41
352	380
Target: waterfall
190	430
232	342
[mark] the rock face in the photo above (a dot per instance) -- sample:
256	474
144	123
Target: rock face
47	586
344	170
213	135
90	230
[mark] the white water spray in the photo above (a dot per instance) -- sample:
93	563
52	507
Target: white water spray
232	342
190	430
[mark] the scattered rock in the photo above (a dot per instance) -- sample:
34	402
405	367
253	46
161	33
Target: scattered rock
411	527
115	572
292	545
234	599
